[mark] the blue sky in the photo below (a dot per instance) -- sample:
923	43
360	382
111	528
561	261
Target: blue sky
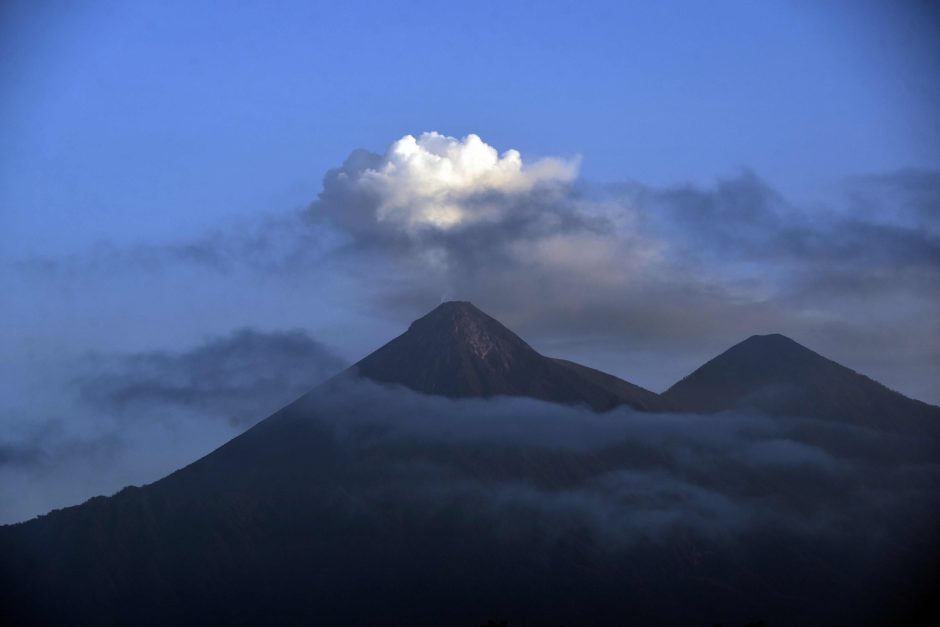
141	120
174	188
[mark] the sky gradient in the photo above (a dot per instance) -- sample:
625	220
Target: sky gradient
201	199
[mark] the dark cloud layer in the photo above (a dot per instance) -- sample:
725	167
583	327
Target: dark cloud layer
726	471
240	378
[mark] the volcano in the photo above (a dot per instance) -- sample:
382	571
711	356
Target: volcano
774	374
458	351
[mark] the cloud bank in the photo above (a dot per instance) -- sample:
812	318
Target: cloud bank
546	514
240	378
756	513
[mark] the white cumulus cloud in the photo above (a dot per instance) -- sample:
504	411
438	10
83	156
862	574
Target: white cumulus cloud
434	181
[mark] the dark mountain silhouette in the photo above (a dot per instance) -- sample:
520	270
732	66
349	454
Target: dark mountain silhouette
318	515
777	375
458	351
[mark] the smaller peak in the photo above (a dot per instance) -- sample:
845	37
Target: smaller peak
774	345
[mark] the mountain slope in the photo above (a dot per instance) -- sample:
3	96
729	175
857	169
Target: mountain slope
364	504
458	351
308	519
777	375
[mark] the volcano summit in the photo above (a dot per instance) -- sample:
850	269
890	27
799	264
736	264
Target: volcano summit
458	351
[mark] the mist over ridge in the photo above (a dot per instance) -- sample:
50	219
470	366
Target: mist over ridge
501	494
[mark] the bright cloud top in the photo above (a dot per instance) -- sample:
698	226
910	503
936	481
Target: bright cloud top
438	182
